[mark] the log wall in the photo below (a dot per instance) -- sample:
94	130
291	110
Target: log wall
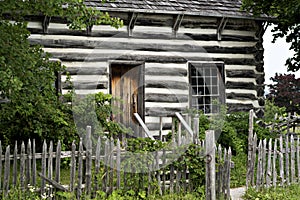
165	53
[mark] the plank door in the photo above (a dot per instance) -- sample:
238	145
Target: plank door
127	86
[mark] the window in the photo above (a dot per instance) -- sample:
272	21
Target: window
206	86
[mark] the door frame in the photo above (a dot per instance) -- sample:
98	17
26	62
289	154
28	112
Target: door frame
141	91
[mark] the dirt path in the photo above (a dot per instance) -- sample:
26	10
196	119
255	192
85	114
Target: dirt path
237	193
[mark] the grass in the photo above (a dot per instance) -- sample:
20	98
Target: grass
291	192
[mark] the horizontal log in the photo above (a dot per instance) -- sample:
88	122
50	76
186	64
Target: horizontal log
240	85
156	126
149	58
167	84
85	70
241	73
241	96
159	111
85	85
171	45
172	98
239	107
159	71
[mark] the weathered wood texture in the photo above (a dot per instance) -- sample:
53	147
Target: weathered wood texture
276	162
196	40
111	170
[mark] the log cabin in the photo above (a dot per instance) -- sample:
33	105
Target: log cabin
170	56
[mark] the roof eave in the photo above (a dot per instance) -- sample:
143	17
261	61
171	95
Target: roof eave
202	14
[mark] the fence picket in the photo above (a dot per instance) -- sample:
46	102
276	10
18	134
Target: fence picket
88	161
274	163
50	165
0	165
118	163
6	170
15	164
111	165
292	152
44	157
287	160
298	158
281	165
22	166
259	165
33	163
28	163
269	166
73	167
228	166
80	169
97	164
57	162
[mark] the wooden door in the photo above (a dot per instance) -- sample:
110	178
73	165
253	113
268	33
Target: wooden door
127	86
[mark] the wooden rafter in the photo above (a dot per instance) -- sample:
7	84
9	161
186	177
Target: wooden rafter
221	26
45	24
177	24
132	19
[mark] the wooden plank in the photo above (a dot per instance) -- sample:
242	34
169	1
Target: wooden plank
269	166
28	163
228	174
185	125
88	161
210	165
44	165
287	160
50	167
33	163
57	162
298	158
22	166
259	165
253	157
73	167
118	164
137	116
171	98
111	165
97	165
250	150
80	170
15	164
54	183
281	165
274	163
264	161
223	189
219	177
1	165
293	172
6	171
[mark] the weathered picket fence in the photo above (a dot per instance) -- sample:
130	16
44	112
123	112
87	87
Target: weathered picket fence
101	166
273	162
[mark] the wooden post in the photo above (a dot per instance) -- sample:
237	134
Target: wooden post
298	159
250	170
259	165
210	165
118	163
44	165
